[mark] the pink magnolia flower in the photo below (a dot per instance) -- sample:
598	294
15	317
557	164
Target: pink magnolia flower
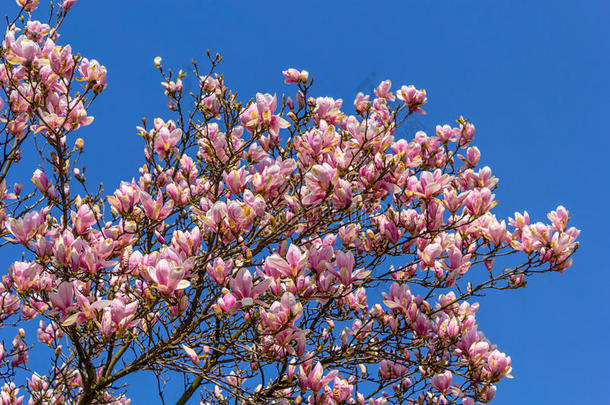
239	216
413	98
43	184
63	297
257	203
342	390
78	115
122	314
242	289
321	256
234	380
93	73
473	155
466	133
446	133
67	4
172	87
191	354
20	349
388	229
8	395
458	262
168	277
83	219
452	200
318	181
9	304
220	270
281	314
155	209
46	333
25	275
498	364
442	381
490	393
383	90
165	140
214	216
37	383
478	351
292	266
227	304
61	60
431	253
210	84
480	201
449	327
400	298
210	105
28	5
362	103
390	369
496	232
342	193
125	197
345	268
315	379
189	242
36	31
87	309
26	227
559	218
294	76
236	180
261	114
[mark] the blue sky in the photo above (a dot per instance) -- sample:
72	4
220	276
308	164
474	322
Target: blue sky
532	76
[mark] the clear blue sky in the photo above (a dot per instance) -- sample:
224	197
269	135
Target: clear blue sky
532	76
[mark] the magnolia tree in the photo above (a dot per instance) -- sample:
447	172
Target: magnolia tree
273	252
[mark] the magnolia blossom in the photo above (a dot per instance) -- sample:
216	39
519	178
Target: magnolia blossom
295	76
28	5
412	97
25	228
442	381
261	114
93	73
315	379
166	140
168	276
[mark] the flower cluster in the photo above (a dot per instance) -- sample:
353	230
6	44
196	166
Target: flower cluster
248	253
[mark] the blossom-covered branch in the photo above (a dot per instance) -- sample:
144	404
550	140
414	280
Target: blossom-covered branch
284	251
